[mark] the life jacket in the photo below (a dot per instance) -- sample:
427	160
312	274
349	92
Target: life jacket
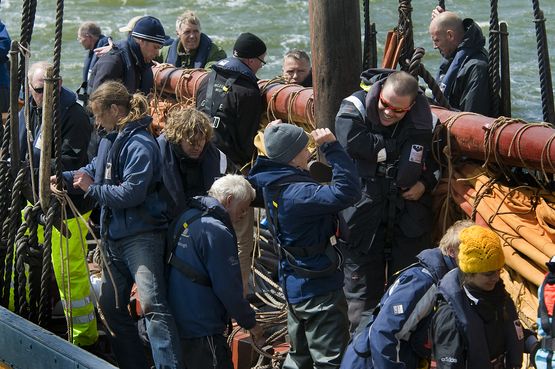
290	253
201	56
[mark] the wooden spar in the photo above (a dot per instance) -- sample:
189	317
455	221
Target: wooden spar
46	140
517	144
295	103
336	55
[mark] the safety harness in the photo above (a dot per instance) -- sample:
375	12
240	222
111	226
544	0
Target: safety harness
291	253
186	219
215	94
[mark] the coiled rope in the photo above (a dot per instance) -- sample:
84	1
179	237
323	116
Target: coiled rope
416	68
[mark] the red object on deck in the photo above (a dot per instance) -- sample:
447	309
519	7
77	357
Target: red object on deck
517	144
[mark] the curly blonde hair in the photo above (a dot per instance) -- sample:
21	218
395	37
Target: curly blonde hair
187	124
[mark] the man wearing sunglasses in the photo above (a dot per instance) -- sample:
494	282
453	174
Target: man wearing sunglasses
387	131
76	130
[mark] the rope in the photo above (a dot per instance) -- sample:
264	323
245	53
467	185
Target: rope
367	37
404	29
543	64
45	310
10	227
493	63
416	68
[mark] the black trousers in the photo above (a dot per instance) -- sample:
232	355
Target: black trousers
209	352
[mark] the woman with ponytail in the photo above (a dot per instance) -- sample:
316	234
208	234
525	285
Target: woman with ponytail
125	179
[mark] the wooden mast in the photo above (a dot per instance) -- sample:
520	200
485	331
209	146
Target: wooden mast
336	55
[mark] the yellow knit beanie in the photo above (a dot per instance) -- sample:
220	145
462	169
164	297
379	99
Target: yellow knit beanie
480	250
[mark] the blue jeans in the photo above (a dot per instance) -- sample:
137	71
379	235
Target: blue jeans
139	259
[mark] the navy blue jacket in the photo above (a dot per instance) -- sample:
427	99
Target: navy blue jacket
124	63
307	214
359	130
76	130
201	56
464	77
240	112
210	247
127	174
211	165
458	332
398	336
5	44
91	58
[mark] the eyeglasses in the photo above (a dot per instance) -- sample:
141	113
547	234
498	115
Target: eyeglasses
394	109
38	90
260	60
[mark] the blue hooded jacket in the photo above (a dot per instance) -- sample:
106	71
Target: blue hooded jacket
127	182
209	247
307	215
398	336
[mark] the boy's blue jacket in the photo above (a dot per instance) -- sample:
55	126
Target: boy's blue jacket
398	336
127	182
307	215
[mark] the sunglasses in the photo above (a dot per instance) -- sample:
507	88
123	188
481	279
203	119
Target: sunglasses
394	109
38	90
260	60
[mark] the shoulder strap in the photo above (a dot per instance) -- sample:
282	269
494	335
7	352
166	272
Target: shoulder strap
187	270
213	101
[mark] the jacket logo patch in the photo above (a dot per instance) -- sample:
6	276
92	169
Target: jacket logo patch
398	309
416	153
108	171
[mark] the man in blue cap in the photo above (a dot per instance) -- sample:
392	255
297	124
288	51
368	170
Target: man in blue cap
131	61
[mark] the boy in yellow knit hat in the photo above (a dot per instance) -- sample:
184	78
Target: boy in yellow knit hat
476	324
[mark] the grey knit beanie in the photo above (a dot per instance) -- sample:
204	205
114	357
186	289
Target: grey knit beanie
284	141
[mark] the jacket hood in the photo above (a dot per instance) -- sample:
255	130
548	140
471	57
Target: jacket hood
436	263
418	117
473	36
233	64
143	122
214	206
265	172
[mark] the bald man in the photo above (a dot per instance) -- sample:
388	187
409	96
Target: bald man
463	73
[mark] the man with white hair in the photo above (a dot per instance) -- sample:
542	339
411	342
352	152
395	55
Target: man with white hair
204	268
191	48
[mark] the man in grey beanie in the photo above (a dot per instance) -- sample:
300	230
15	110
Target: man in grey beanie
302	214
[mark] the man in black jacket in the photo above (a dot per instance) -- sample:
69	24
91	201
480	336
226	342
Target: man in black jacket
131	60
463	74
387	131
231	97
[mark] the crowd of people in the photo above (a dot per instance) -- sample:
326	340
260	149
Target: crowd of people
364	286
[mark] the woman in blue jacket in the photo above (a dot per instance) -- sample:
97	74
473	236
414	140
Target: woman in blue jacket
125	179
